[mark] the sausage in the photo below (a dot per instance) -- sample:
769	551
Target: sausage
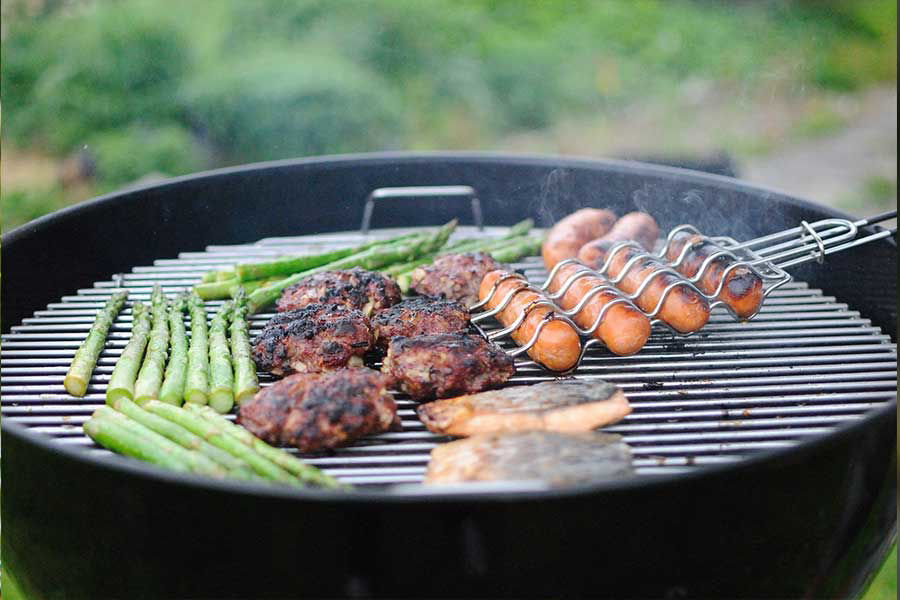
558	347
624	330
684	309
635	226
572	232
743	289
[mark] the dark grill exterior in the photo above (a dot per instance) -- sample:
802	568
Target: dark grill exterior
765	451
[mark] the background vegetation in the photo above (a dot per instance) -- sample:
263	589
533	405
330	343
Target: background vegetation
113	91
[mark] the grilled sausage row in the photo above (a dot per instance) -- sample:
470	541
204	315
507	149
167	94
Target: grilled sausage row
558	346
682	308
743	289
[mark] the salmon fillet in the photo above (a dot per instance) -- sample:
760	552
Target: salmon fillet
555	458
569	405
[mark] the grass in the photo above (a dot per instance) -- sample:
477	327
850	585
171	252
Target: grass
884	586
876	193
880	189
819	123
20	206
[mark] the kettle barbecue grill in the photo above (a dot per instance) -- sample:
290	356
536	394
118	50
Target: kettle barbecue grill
765	451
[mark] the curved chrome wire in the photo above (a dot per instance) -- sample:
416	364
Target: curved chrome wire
807	242
541	300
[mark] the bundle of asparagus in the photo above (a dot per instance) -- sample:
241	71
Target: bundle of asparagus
515	244
255	277
209	369
196	439
397	257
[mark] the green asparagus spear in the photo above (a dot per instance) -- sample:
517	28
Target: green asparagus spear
110	434
216	285
440	237
227	288
372	258
214	435
82	366
216	290
172	390
306	473
283	267
193	461
471	246
466	245
525	247
288	265
181	436
196	387
150	377
245	382
404	281
211	276
121	383
249	286
504	251
515	231
221	377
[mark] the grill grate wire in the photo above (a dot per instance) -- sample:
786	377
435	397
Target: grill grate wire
802	367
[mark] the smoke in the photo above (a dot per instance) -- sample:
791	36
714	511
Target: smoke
703	209
554	196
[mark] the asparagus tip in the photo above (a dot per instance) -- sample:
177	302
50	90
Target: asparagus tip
221	401
196	397
75	385
113	395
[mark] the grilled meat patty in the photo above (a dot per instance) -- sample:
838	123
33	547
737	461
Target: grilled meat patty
317	337
312	411
446	364
555	458
356	288
570	405
418	316
454	276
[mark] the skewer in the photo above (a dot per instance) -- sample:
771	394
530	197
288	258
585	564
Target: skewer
523	314
766	256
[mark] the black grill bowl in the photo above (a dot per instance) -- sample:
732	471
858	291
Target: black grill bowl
814	520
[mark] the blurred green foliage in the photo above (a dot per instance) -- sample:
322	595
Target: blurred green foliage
128	153
884	585
170	87
65	78
21	206
249	109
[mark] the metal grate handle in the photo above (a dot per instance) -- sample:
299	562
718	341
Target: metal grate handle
421	191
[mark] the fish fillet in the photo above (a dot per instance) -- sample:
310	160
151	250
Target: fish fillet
554	458
569	405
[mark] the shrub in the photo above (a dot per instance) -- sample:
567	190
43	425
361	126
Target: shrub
275	103
20	206
124	155
106	66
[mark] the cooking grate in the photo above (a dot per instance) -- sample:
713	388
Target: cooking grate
802	367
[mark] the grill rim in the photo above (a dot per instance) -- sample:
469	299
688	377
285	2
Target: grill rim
13	313
350	159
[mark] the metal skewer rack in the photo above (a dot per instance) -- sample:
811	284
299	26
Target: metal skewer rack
767	257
